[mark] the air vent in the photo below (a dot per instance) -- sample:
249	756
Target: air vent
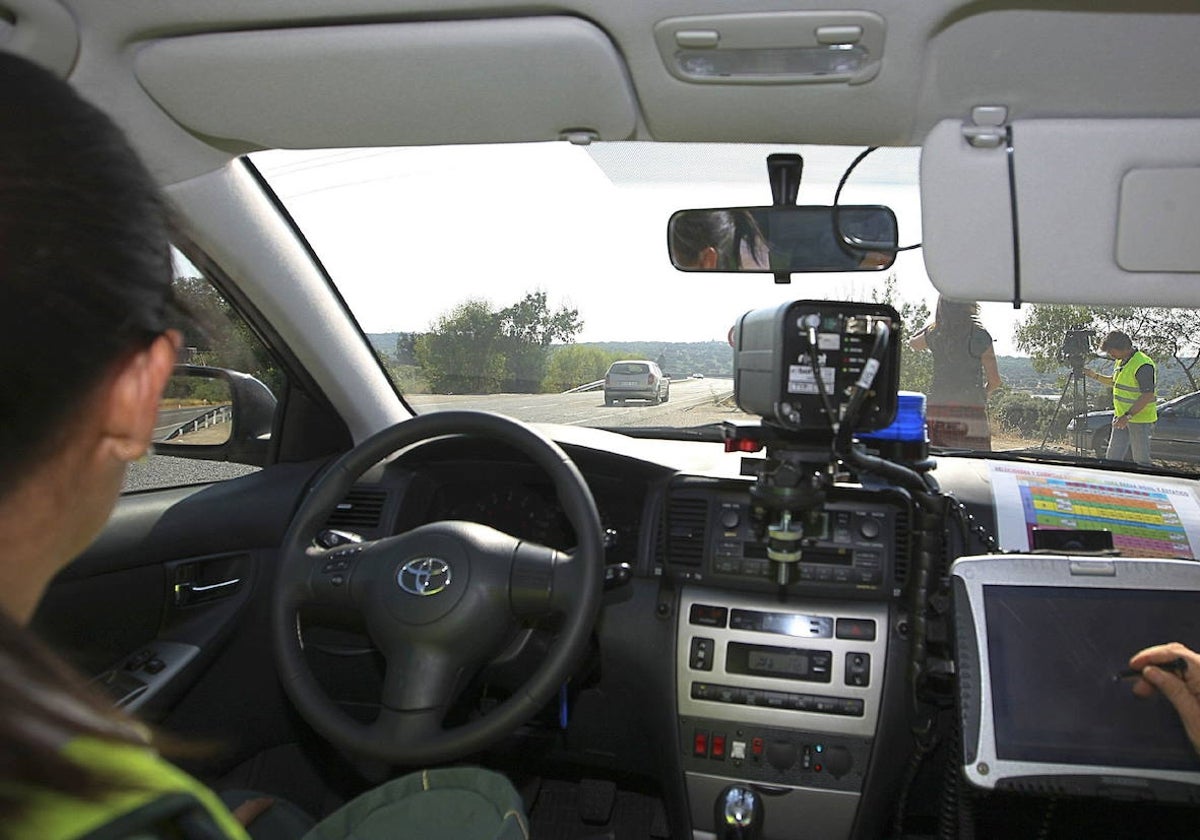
903	547
687	526
362	508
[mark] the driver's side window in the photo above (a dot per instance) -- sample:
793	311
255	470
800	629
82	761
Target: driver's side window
224	368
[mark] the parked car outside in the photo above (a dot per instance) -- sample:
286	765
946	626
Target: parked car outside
636	379
1176	434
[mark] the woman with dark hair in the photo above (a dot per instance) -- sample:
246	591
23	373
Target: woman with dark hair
964	374
716	240
85	297
85	288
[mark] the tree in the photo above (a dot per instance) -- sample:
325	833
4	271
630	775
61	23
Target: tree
459	354
476	348
215	335
528	328
916	367
530	321
406	348
1163	334
575	365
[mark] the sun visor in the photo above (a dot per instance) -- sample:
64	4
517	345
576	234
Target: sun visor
1099	211
40	31
394	84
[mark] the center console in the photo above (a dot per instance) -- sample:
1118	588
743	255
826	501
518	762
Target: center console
787	582
782	696
780	690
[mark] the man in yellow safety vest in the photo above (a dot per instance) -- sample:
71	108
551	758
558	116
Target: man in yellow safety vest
1134	407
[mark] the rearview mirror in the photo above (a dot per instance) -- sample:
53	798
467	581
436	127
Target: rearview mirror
786	239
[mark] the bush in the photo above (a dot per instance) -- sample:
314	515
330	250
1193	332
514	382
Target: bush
407	378
1027	415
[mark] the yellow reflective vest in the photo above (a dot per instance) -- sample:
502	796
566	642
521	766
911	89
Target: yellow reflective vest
1126	390
146	784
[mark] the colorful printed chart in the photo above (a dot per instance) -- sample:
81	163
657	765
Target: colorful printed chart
1147	517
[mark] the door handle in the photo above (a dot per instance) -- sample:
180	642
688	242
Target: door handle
188	593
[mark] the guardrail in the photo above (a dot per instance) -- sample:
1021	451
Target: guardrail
213	417
591	386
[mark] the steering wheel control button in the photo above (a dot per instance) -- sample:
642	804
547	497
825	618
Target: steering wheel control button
340	560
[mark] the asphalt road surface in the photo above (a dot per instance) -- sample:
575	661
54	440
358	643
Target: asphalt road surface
693	402
170	419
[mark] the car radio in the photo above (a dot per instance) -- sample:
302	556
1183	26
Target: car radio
856	545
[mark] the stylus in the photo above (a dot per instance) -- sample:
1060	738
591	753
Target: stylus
1178	667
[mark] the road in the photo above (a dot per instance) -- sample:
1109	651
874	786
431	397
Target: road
693	402
170	419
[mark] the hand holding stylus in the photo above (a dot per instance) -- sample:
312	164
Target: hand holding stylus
1174	670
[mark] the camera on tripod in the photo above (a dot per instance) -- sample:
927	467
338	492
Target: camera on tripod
1076	348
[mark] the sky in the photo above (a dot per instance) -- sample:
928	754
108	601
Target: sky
409	233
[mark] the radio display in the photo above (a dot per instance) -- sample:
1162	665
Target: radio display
786	663
773	661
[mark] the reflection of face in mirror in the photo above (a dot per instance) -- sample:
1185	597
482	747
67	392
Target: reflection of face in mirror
195	411
783	239
717	240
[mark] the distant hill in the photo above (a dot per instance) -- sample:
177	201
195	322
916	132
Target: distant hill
678	359
385	343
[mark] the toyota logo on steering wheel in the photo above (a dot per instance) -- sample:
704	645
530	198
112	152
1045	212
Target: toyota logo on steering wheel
424	576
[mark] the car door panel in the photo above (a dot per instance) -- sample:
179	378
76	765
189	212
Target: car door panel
166	590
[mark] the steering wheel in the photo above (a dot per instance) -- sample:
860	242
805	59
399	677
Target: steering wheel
438	601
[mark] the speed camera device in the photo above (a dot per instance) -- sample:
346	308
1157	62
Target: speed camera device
809	366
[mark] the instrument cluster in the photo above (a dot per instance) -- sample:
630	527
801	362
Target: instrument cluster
530	511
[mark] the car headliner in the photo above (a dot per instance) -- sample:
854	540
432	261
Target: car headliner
198	84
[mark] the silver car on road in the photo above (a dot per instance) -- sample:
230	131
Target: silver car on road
636	379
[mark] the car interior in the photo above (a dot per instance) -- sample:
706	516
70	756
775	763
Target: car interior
756	602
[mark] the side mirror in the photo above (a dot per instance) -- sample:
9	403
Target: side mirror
215	414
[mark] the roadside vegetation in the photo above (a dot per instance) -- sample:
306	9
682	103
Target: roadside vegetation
529	347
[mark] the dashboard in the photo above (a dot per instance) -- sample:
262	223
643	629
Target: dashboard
710	672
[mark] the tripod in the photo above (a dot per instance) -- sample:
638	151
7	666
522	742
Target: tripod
1077	385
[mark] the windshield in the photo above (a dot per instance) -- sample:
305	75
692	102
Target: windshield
533	279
